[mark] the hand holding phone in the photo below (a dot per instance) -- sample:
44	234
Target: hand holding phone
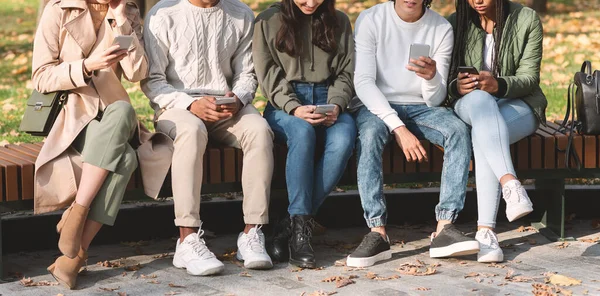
416	51
223	100
324	109
420	62
468	69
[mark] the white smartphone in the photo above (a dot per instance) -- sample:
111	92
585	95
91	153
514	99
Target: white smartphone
124	41
418	50
222	100
324	109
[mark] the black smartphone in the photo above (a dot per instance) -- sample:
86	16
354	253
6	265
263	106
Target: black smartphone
468	69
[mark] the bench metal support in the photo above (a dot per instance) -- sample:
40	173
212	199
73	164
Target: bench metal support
552	224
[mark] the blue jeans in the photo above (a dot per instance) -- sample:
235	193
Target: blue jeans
309	181
440	126
495	124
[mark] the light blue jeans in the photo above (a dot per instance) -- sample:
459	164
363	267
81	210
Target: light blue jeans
440	126
495	124
309	181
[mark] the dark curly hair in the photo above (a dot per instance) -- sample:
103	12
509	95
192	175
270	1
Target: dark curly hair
324	25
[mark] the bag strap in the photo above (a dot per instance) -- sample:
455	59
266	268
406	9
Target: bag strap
586	68
571	130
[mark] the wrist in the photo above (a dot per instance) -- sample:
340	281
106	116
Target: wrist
86	68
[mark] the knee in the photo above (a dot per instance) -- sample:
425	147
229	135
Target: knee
478	101
302	132
194	131
122	110
259	134
372	133
459	133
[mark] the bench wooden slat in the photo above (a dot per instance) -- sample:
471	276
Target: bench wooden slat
24	150
32	147
2	180
17	154
536	156
561	143
25	171
11	189
513	153
548	143
589	152
39	144
229	168
240	162
425	166
387	159
215	164
523	154
398	159
205	166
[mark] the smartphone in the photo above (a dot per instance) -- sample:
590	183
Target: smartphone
324	109
221	100
124	41
418	50
468	69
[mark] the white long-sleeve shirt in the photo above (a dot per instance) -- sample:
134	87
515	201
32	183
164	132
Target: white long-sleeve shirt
193	50
382	41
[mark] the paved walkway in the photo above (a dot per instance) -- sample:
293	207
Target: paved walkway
530	261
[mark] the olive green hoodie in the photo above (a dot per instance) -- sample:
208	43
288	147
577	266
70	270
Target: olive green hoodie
276	70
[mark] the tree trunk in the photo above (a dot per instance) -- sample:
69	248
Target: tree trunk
540	6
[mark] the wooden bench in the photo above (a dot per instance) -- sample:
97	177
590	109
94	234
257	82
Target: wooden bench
535	157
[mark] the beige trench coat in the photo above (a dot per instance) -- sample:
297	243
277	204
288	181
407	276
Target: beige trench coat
65	36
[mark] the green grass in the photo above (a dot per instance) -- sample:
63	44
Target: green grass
572	34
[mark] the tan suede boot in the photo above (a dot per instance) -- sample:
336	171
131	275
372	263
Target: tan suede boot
65	270
70	228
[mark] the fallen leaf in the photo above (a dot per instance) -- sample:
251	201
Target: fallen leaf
419	269
162	256
526	228
175	286
472	274
115	264
7	107
561	280
332	279
563	245
519	279
479	280
245	274
321	293
463	263
474	290
339	263
343	283
297	269
422	289
171	293
122	294
319	268
133	267
124	274
154	282
299	278
496	265
371	275
148	276
28	282
109	289
590	240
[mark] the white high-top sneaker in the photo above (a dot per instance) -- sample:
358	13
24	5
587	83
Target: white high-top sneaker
489	248
517	201
193	255
251	249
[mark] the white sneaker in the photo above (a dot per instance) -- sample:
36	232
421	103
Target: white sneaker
251	250
193	255
489	248
517	201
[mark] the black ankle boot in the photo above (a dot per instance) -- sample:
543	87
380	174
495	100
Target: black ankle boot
278	249
301	251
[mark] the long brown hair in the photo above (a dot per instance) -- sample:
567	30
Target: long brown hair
324	25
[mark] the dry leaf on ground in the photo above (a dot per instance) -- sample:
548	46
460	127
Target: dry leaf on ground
175	286
109	289
422	289
245	274
122	294
299	278
519	279
148	276
561	280
590	240
171	293
343	283
28	282
563	245
111	264
321	293
496	265
526	228
133	267
297	269
418	269
154	282
332	279
161	256
472	274
545	290
374	276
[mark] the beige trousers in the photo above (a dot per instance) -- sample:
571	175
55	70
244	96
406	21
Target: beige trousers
248	131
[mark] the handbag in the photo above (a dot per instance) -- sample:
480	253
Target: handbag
587	99
41	112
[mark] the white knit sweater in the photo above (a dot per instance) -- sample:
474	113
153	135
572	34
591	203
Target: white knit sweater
193	50
383	42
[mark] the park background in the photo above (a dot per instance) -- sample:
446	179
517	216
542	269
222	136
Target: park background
571	35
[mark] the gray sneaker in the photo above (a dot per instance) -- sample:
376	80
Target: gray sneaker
452	242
